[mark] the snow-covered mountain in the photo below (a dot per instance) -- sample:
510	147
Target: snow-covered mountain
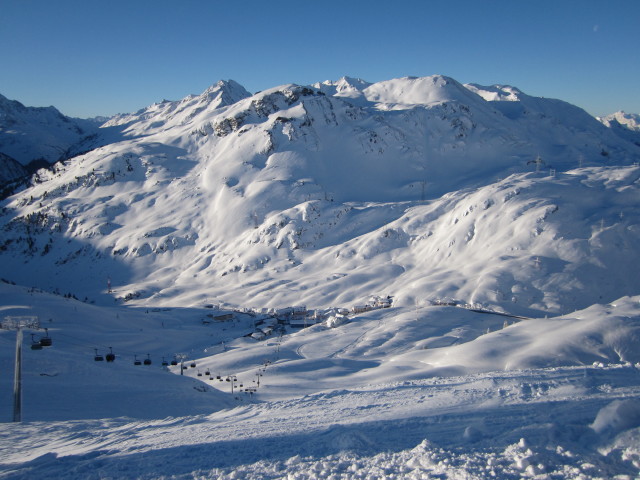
629	120
192	109
377	210
38	136
330	193
625	125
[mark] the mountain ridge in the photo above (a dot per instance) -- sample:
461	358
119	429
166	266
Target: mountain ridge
308	192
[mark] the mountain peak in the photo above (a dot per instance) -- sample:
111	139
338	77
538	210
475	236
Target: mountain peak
353	82
349	87
229	92
628	120
496	93
430	90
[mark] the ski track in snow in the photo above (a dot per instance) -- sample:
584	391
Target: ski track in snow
512	423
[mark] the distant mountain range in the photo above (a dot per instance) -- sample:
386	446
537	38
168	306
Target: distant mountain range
420	188
626	125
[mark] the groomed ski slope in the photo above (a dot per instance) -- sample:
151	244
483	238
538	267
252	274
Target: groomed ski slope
570	422
427	392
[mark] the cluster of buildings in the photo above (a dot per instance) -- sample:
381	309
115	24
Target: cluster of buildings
269	320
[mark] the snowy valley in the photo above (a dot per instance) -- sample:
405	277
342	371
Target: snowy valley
413	278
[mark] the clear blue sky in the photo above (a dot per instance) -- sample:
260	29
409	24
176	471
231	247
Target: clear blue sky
89	57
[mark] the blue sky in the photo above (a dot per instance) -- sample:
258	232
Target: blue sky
90	57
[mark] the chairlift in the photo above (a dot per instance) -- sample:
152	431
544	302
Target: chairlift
35	344
97	357
193	365
110	357
199	374
174	362
147	361
136	361
165	363
46	341
207	372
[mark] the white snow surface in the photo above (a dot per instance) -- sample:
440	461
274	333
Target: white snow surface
458	265
432	392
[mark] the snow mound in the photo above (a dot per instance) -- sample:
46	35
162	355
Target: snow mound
618	416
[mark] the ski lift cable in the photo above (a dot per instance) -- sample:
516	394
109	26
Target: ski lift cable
92	346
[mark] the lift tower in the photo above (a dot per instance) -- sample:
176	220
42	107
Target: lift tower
17	324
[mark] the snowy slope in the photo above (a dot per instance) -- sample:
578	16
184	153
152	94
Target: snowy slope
393	393
528	242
